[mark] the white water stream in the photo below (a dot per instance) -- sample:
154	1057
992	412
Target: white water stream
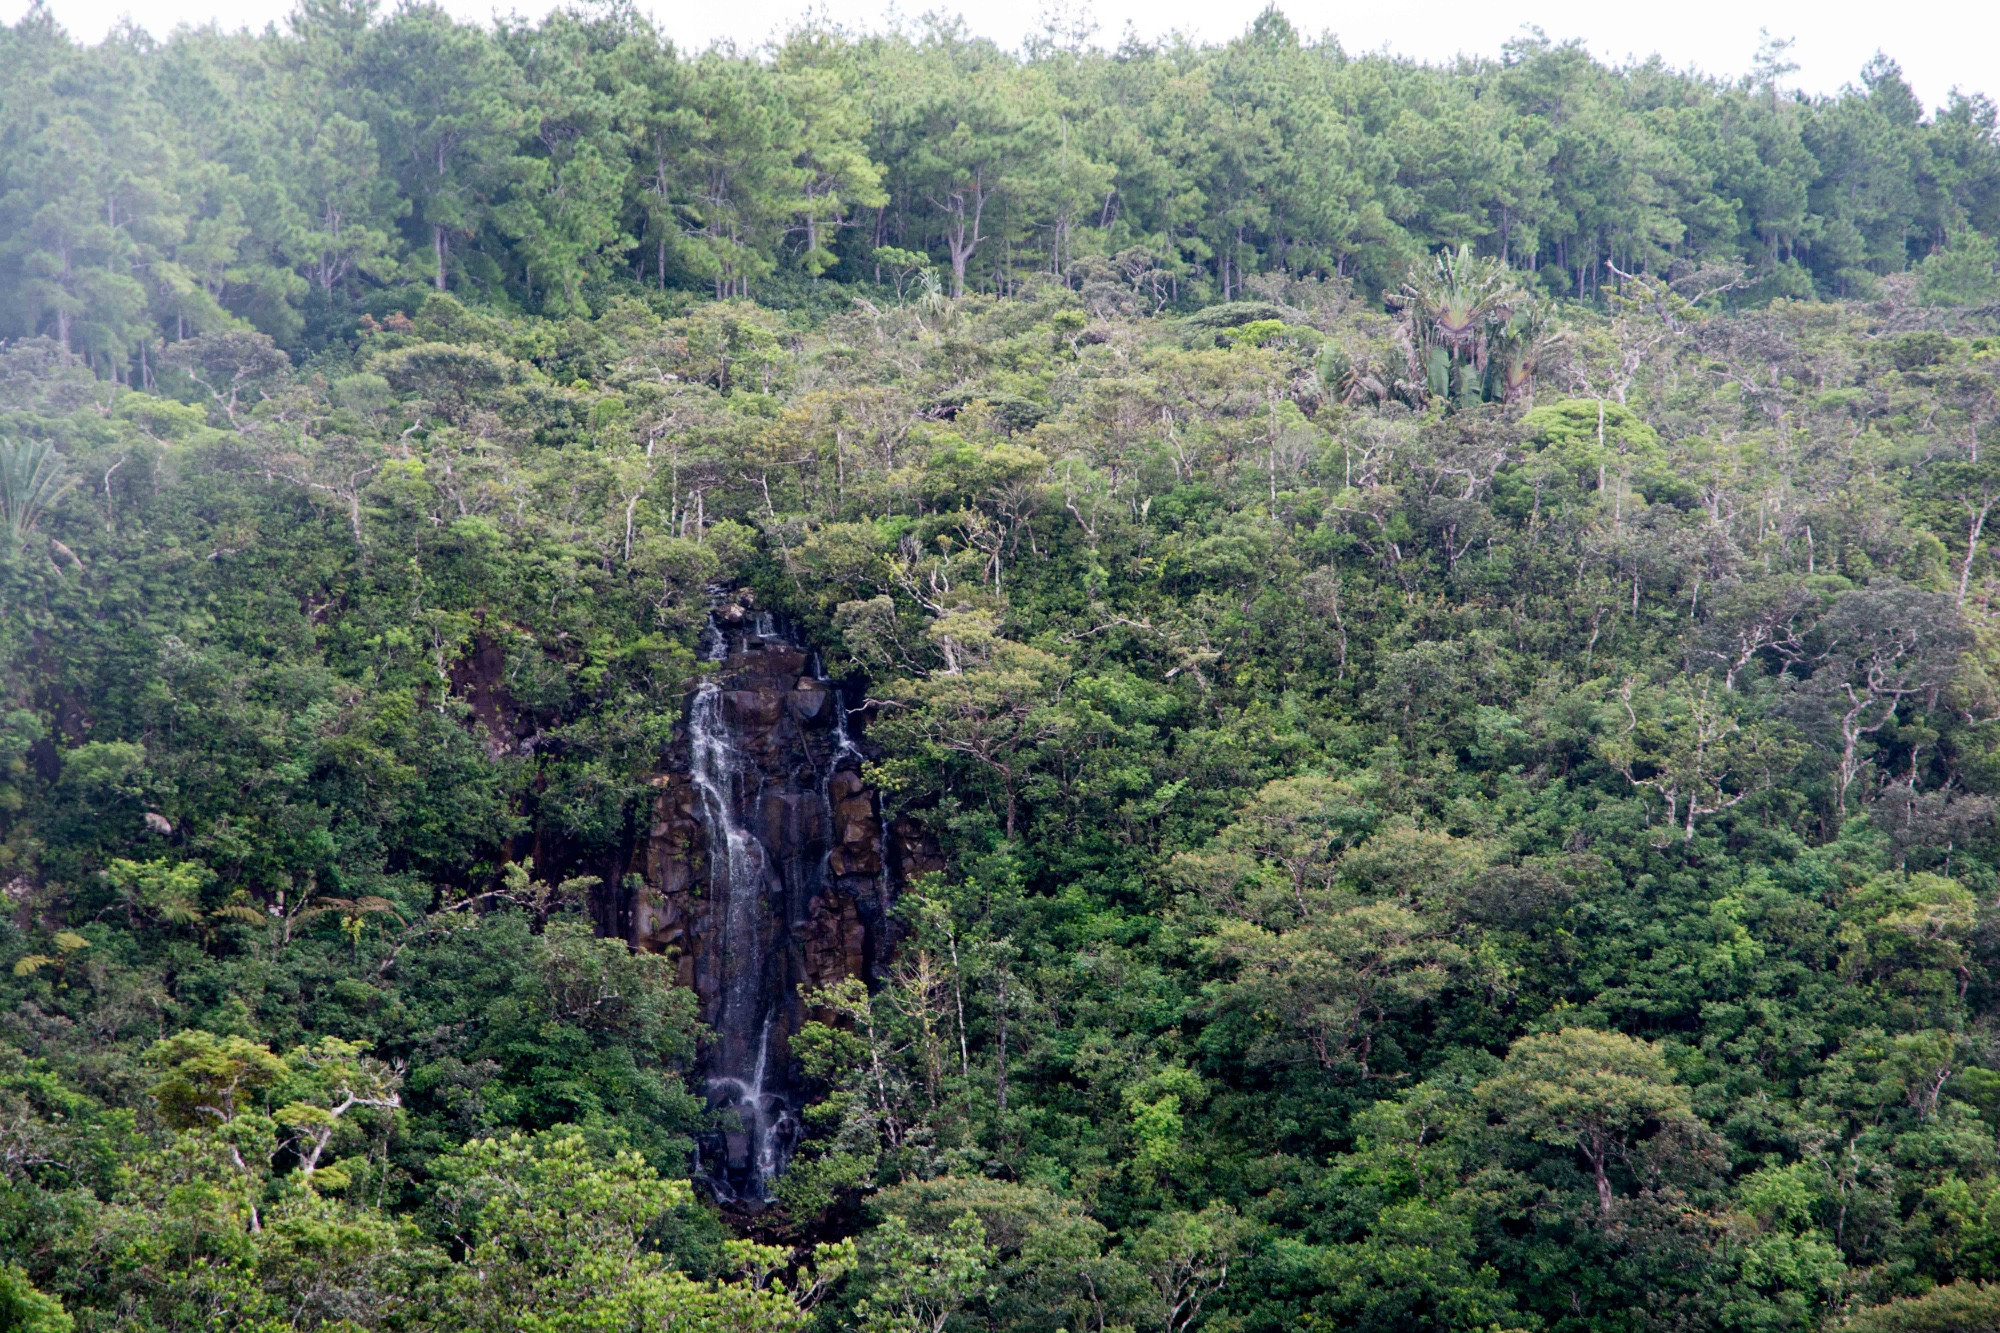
739	885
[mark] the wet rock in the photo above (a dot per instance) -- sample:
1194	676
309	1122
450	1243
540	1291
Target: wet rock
808	699
802	898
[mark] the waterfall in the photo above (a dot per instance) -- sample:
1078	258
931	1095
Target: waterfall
791	895
845	751
739	886
847	754
844	748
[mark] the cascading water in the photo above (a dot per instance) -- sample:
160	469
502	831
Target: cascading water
738	884
846	752
790	896
844	748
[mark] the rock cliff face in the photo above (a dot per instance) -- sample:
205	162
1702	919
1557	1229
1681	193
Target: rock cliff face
767	869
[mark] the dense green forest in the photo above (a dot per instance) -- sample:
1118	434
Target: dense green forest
292	179
1442	623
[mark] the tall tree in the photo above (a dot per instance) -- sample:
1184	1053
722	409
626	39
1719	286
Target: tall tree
446	108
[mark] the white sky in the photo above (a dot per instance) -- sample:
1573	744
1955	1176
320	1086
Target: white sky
1940	45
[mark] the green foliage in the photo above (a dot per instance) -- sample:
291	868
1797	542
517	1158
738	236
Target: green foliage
1511	851
1960	1307
1966	272
916	1283
31	480
208	1080
1469	331
313	180
25	1310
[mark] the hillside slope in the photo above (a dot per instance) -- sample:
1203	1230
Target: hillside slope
1442	830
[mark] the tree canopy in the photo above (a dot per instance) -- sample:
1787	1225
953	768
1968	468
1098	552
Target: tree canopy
1439	623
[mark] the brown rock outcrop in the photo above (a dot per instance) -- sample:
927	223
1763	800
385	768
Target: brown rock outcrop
768	872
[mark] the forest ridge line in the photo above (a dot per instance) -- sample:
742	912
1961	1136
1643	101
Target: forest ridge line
294	180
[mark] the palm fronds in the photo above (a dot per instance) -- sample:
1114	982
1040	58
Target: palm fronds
32	478
1469	330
